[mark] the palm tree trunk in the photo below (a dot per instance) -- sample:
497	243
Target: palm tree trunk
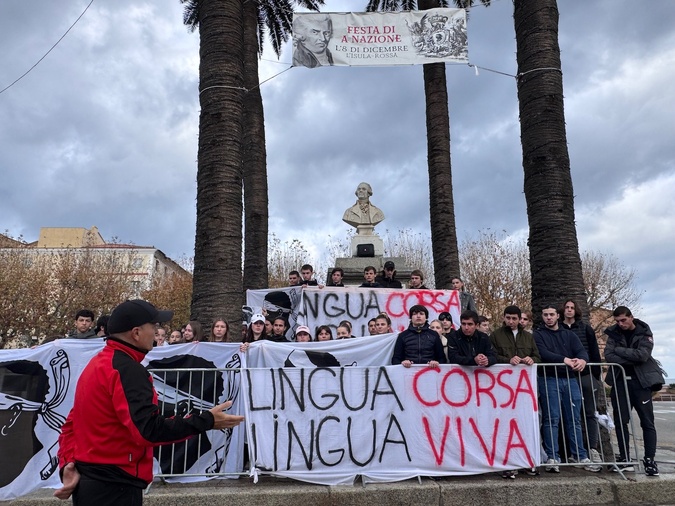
217	285
255	160
554	249
441	201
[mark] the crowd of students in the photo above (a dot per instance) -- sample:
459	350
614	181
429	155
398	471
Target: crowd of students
568	389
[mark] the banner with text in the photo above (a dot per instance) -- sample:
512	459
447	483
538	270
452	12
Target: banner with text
328	425
363	351
37	388
329	306
379	38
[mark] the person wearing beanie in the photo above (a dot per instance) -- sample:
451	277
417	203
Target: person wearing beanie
418	344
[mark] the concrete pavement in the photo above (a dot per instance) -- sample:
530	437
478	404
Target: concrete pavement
571	487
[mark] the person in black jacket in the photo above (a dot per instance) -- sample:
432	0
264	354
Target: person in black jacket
570	319
418	344
387	278
470	346
369	278
630	343
559	391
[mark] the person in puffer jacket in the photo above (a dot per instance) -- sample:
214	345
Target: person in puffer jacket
418	344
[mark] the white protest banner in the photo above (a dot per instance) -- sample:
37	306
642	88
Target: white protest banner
379	38
328	425
314	306
37	387
329	306
284	302
360	351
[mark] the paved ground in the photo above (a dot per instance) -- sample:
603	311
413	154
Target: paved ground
664	416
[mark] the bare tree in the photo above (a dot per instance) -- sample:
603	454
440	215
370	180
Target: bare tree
41	290
285	257
496	272
173	292
416	248
608	284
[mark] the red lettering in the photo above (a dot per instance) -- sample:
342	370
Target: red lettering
490	456
399	303
467	383
514	432
484	390
506	386
438	455
460	436
416	390
524	378
394	306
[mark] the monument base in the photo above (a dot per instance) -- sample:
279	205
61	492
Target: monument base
354	266
374	239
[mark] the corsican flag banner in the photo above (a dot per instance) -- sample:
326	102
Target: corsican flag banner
379	38
37	387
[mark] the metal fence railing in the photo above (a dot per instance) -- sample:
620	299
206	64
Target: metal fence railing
579	417
603	416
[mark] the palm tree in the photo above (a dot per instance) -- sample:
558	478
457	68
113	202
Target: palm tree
217	280
554	250
441	201
274	17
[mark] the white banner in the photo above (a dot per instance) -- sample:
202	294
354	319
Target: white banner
314	306
362	351
379	38
328	425
37	387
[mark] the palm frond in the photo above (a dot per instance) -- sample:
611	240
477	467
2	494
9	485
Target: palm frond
191	14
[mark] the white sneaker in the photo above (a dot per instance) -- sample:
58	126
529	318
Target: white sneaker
589	466
595	456
552	466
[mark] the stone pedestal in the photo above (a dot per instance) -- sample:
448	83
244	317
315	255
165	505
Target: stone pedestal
365	235
354	266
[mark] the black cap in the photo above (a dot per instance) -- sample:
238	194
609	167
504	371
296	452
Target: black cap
134	313
389	265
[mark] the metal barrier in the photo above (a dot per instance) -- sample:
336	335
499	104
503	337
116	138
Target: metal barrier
588	412
575	416
185	391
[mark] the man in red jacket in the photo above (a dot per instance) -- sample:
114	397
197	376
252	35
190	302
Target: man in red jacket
105	446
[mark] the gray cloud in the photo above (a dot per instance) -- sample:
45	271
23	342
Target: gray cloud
104	132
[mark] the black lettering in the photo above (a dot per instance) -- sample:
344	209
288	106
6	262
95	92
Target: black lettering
250	393
335	397
307	302
382	373
372	304
276	441
307	456
366	375
332	311
254	443
392	421
299	399
351	448
318	443
359	298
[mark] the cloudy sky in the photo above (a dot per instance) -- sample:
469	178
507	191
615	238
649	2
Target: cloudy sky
104	132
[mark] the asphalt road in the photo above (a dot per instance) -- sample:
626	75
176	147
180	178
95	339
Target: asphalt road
664	417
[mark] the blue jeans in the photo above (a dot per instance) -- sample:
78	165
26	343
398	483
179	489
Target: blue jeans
558	394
